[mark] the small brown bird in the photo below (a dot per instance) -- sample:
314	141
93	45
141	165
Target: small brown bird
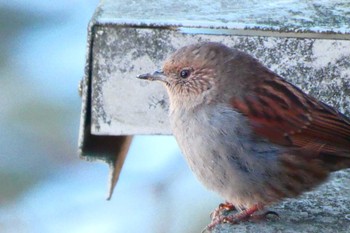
246	133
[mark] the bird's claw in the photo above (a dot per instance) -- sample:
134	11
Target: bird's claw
223	207
245	215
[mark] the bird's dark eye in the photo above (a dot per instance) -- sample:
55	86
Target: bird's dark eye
185	73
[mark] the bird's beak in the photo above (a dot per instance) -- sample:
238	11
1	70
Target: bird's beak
157	75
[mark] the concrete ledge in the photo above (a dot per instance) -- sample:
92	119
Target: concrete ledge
121	104
306	42
327	209
294	16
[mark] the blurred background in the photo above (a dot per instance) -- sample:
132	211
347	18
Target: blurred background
44	186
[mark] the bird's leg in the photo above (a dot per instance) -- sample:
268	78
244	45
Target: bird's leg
227	206
235	218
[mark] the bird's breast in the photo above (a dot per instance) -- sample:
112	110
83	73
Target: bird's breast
217	144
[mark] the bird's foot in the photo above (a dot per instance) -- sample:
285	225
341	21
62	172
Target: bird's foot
223	207
245	215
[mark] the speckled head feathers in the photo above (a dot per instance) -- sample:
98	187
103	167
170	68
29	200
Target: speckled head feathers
193	69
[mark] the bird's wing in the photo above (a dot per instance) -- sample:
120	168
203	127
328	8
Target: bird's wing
283	114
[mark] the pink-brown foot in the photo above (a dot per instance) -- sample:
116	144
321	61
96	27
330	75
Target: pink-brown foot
245	215
223	207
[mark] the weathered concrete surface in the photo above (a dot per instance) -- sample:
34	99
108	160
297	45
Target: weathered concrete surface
307	42
293	16
327	209
122	104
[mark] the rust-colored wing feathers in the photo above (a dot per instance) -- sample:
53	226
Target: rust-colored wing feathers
286	116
